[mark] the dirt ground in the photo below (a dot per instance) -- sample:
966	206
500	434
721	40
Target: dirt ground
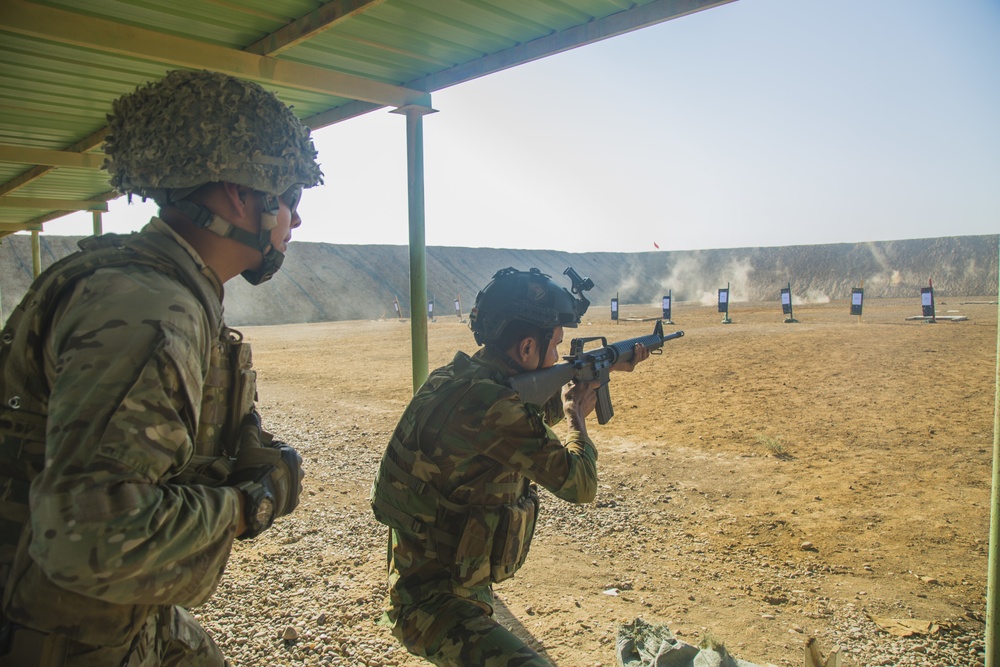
759	480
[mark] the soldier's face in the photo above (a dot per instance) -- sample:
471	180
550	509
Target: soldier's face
288	219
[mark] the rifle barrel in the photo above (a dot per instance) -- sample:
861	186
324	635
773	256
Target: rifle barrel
624	349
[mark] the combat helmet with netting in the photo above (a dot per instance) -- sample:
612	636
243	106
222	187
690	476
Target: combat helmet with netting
170	137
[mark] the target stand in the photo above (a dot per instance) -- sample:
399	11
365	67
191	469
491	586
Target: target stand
786	304
724	304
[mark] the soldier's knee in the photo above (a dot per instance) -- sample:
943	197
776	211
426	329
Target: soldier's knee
424	628
184	643
419	631
456	632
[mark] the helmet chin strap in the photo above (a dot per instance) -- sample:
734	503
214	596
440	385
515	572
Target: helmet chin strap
511	362
261	241
543	349
272	257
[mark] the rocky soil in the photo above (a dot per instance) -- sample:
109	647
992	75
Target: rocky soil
761	483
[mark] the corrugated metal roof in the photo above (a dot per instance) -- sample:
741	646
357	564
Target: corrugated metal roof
63	62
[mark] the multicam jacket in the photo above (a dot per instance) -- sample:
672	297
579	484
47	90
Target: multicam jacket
465	447
106	379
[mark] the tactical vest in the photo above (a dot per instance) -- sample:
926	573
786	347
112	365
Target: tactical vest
481	542
228	394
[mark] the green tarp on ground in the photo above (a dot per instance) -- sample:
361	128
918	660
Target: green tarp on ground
640	644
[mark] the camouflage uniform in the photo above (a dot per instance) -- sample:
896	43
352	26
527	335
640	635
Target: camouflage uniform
455	488
128	520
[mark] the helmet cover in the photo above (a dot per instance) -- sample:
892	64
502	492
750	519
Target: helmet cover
196	127
524	296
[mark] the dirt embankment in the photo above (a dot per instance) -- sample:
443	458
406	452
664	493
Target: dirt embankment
325	283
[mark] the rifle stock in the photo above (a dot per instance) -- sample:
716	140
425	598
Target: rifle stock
586	366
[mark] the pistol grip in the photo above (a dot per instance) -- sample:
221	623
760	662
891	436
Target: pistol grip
605	411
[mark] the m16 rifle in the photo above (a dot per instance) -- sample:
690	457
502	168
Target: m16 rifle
587	366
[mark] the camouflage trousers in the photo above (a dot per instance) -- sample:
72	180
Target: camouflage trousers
452	631
171	637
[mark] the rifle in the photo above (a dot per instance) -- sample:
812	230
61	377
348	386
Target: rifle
593	366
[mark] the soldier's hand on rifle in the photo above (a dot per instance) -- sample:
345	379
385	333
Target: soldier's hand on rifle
640	354
579	400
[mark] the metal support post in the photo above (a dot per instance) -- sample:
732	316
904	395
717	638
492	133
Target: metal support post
992	621
98	223
36	254
418	249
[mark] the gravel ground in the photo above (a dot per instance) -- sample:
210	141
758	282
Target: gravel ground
309	591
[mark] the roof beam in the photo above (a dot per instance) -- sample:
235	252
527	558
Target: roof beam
588	33
40	156
310	25
82	146
55	215
52	204
11	227
65	27
338	114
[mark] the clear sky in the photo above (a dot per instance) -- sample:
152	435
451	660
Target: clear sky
758	123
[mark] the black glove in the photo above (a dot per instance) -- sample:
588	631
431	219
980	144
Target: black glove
269	475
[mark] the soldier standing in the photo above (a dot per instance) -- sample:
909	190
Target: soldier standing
131	453
457	482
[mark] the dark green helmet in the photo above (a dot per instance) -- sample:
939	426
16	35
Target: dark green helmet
523	296
196	127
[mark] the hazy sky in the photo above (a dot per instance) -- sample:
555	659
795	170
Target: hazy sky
758	123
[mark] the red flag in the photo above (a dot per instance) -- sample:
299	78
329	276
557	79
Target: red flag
655	245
